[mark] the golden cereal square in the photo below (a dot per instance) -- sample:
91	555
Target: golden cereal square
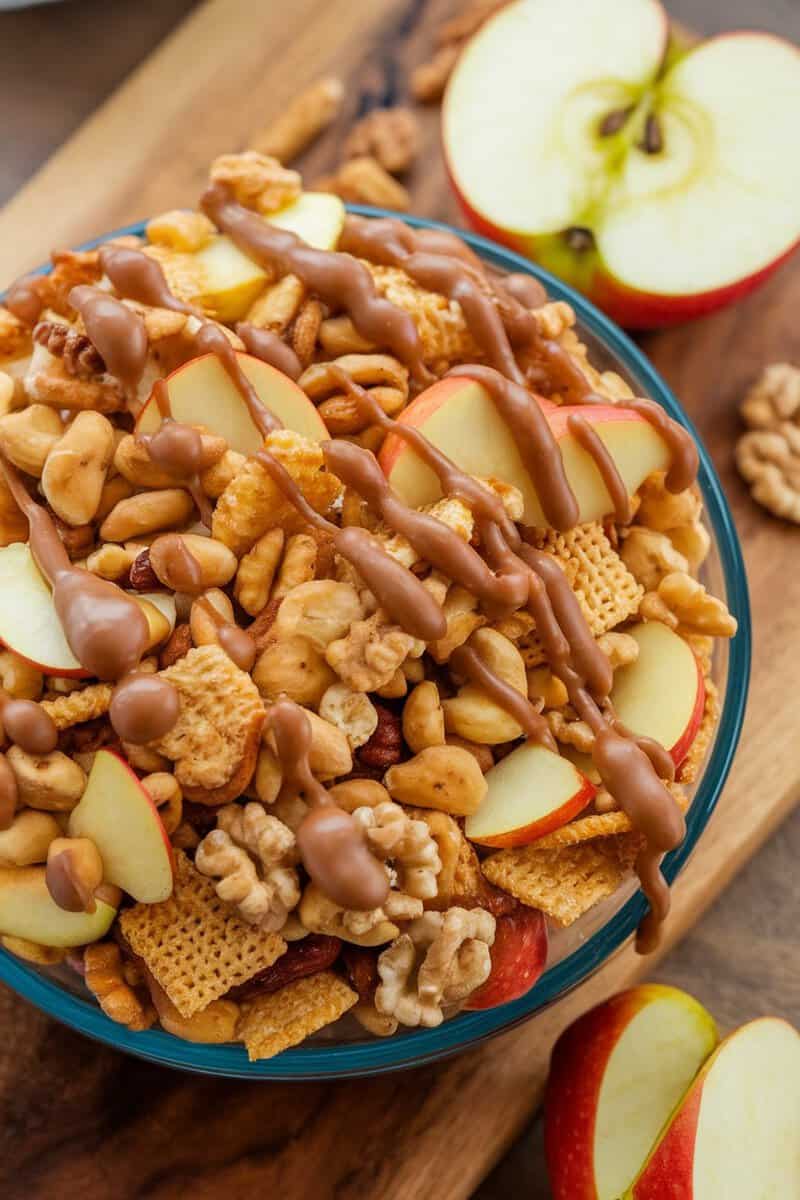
285	1018
195	944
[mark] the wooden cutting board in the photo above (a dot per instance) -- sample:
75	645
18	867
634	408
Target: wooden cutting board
124	1128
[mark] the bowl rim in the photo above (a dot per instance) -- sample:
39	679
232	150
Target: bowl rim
419	1046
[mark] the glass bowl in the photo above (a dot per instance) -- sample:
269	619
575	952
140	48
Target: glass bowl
575	953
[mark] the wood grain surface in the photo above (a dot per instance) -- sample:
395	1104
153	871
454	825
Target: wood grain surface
80	1120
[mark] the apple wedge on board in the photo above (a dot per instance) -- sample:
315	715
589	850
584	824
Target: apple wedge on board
660	184
616	1076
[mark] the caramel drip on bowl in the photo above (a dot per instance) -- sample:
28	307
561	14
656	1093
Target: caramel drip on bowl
332	844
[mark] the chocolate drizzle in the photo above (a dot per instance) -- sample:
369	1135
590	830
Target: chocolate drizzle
24	299
210	339
270	348
117	333
143	707
237	643
339	280
332	844
178	449
466	661
28	725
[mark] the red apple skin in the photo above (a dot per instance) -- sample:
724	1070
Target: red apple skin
553	820
629	307
668	1175
684	743
44	669
577	1067
138	782
519	955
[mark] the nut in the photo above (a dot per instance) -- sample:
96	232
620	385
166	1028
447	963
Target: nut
482	754
257	180
27	437
105	979
74	872
18	678
619	648
114	562
472	714
52	782
179	643
75	470
695	609
385	747
393	835
292	667
370	653
257	570
165	792
394	688
215	479
145	513
321	611
268	777
216	562
545	686
423	718
363	180
114	490
132	460
329	754
298	564
180	229
391	135
27	838
302	120
203	627
373	928
358	793
447	778
42	956
352	712
650	555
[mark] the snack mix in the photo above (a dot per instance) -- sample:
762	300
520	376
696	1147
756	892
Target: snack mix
338	638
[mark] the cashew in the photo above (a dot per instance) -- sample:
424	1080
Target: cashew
52	782
7	393
75	470
423	718
358	793
27	437
482	754
165	792
444	777
27	839
114	490
216	562
472	714
394	688
257	571
18	678
292	667
145	513
329	755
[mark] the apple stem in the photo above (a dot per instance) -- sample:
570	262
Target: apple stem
653	140
579	238
612	122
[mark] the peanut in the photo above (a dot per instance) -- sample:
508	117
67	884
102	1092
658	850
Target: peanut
217	563
329	754
358	793
202	626
472	714
482	754
544	685
75	470
145	513
27	437
423	718
51	782
132	460
447	778
74	872
114	490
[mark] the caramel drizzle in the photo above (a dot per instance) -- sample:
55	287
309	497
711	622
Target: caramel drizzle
117	333
178	449
24	299
237	643
27	724
466	661
270	348
339	280
144	707
332	844
589	440
105	629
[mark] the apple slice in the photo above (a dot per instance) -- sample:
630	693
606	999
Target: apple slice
316	217
161	613
27	910
611	170
201	392
118	815
530	792
519	955
736	1135
616	1075
28	622
460	418
662	694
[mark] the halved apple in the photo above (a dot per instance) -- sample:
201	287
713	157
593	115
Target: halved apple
531	792
662	694
458	415
655	182
118	815
27	910
201	392
736	1134
616	1075
519	955
28	622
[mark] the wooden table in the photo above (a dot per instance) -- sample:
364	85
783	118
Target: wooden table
79	1120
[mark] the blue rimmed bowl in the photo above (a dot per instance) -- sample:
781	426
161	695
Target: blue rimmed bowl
575	953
